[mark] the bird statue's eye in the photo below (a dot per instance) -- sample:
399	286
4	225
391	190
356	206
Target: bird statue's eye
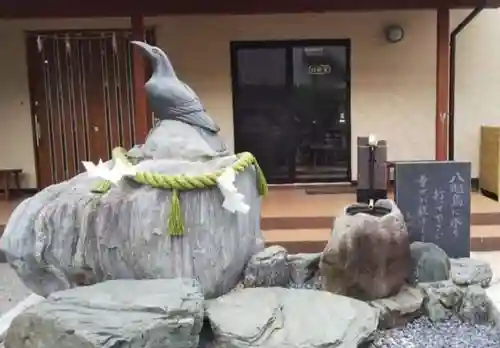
155	51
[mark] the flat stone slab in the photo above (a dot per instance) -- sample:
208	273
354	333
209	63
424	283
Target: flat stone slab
118	313
399	309
279	317
467	271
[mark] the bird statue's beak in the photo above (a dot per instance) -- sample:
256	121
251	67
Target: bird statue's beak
145	47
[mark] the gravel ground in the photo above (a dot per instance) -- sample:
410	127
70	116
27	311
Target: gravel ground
454	333
12	290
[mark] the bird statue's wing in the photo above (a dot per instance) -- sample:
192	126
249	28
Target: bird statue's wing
205	120
173	91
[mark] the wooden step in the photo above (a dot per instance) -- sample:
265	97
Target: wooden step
298	240
483	238
326	221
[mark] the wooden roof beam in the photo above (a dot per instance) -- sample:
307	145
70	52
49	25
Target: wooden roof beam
126	8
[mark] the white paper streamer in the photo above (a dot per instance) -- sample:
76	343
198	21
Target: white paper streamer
101	170
233	200
372	140
39	43
67	44
114	43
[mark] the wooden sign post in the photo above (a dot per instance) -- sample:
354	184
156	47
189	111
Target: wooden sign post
435	199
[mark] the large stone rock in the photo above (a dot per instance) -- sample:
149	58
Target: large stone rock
467	271
267	268
397	310
119	313
278	317
67	236
430	263
368	255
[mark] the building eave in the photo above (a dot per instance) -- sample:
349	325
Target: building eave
115	8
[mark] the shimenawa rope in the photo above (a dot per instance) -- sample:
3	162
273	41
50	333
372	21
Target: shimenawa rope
183	182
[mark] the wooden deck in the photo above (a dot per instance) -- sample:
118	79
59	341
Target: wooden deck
302	222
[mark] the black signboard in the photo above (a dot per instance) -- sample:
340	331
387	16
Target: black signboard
435	199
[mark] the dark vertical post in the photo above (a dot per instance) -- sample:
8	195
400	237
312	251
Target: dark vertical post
371	170
139	78
442	82
451	98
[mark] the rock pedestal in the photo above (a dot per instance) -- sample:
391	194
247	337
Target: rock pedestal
67	235
368	255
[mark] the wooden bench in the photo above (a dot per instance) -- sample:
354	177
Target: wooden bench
6	176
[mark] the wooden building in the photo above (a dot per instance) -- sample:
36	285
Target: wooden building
294	82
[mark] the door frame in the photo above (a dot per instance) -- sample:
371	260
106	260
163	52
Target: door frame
31	63
288	45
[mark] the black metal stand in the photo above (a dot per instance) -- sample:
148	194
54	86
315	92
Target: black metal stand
369	190
371	174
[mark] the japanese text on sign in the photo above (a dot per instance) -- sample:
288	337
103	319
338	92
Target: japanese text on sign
457	203
422	209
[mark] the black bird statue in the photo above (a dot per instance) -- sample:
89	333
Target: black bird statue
172	99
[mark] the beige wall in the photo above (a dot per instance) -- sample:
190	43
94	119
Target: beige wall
393	85
478	84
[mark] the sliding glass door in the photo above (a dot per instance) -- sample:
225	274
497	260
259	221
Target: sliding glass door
291	108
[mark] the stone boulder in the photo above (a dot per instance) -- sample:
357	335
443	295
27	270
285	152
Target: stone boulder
267	268
470	303
467	271
399	309
278	317
368	255
67	236
429	263
155	313
476	306
304	271
442	299
275	267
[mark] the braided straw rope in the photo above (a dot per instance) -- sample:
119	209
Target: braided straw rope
183	182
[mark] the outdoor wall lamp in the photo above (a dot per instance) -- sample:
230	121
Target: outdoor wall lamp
394	33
